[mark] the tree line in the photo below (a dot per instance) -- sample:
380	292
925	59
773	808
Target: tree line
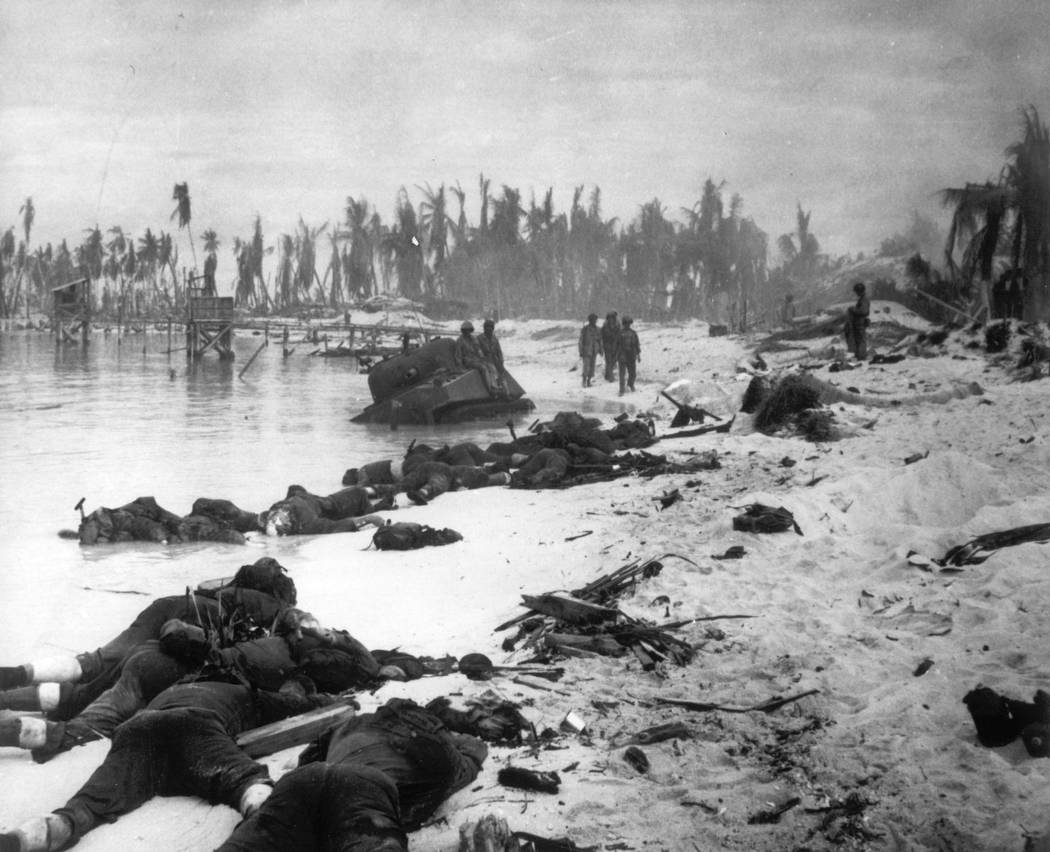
708	260
517	258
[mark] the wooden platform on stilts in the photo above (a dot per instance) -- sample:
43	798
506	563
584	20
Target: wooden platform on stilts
72	311
209	323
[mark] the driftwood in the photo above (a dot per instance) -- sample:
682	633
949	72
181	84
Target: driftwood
295	730
599	644
764	707
659	733
598	627
609	586
569	609
978	549
700	430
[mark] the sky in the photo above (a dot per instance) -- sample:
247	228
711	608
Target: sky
857	111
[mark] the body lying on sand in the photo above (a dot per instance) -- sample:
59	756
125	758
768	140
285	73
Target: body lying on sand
175	689
540	459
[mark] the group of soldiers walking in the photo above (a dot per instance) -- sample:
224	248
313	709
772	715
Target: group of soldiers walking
618	342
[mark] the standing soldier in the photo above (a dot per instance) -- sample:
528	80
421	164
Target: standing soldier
610	341
590	348
629	353
491	350
857	323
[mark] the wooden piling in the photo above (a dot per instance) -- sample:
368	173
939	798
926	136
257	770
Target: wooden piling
251	360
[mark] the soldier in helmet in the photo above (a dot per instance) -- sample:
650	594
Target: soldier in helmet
628	354
469	356
857	322
492	352
590	348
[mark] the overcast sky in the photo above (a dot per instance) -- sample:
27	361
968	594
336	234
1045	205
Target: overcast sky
861	111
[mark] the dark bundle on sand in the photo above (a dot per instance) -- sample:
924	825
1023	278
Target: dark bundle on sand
816	424
935	337
996	336
1033	352
757	391
788	397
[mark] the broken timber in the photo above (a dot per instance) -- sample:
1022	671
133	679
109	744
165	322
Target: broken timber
295	730
569	609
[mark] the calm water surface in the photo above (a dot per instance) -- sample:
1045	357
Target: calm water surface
112	421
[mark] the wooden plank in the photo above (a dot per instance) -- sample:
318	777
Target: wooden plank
295	730
569	609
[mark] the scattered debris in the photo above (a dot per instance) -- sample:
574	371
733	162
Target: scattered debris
573	723
923	667
758	518
764	707
637	759
569	624
529	779
668	498
736	551
773	814
687	414
659	733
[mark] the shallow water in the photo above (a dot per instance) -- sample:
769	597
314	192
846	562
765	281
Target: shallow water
112	421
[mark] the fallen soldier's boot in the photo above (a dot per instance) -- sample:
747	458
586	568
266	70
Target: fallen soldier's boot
32	733
46	696
40	834
528	779
12	677
59	739
991	716
418	497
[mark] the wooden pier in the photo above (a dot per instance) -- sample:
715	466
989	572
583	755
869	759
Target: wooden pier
210	323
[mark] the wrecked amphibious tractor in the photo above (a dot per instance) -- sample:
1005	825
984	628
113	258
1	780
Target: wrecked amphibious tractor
424	386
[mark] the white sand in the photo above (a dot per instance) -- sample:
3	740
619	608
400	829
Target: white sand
838	610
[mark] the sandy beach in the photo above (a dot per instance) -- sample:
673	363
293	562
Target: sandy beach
878	756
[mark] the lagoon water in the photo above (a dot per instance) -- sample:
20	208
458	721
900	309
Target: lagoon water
112	421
